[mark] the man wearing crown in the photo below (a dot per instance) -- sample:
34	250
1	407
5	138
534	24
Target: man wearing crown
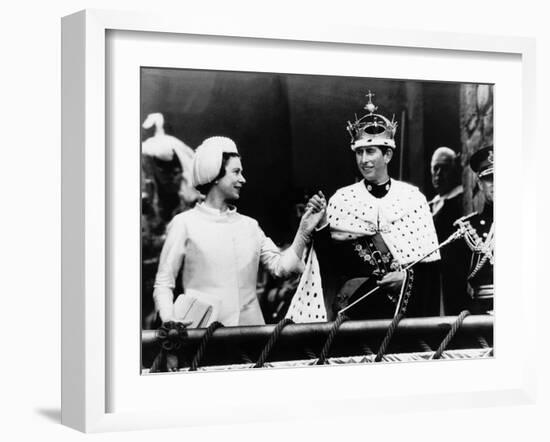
480	235
369	242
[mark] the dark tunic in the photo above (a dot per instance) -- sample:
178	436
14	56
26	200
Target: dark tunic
481	270
340	262
455	258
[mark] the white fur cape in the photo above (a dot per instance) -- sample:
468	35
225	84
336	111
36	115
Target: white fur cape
403	219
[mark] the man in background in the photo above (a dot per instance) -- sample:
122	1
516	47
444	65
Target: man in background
446	208
480	238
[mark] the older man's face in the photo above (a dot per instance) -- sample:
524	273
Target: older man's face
442	168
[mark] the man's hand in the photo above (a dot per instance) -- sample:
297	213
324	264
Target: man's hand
319	204
392	282
315	214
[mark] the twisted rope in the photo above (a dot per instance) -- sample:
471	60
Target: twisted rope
202	346
454	328
332	333
406	291
271	342
478	267
389	334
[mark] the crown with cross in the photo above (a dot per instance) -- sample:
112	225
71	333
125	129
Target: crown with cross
372	129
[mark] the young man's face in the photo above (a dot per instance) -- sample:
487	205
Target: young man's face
231	183
373	163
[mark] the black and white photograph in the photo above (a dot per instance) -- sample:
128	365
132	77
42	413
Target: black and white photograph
292	220
275	220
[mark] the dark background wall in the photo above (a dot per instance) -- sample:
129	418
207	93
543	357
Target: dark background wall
290	129
291	133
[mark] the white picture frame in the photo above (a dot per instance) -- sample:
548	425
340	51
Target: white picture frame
85	215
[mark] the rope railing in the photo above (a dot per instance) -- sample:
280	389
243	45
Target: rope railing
233	345
331	334
272	341
452	332
389	334
202	346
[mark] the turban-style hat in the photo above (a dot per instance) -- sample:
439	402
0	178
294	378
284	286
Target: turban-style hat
208	158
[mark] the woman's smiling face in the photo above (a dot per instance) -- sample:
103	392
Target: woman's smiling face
231	183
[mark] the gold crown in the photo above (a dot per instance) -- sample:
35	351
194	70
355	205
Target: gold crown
372	129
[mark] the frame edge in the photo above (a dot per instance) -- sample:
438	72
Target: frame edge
73	80
83	39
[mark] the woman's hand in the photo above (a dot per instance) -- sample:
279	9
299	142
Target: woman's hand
315	214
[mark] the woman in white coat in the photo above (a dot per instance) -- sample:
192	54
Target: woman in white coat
220	249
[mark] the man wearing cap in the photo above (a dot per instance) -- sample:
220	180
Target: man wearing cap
480	237
446	208
372	231
219	248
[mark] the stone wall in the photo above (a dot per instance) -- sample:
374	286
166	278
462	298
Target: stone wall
476	123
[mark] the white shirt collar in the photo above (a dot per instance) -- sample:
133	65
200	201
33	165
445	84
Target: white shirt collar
438	201
231	210
450	194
